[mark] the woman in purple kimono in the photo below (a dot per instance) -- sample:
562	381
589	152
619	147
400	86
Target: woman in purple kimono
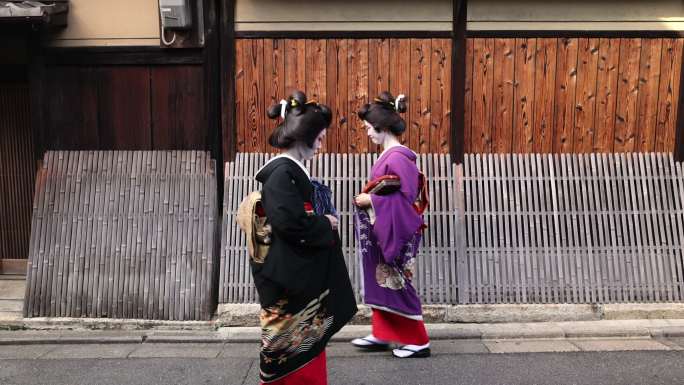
389	230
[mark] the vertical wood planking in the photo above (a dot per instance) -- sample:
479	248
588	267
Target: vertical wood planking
545	85
504	79
606	94
418	129
345	74
316	61
295	65
253	57
440	97
337	95
358	92
627	93
481	115
378	66
668	94
468	98
240	98
124	117
649	82
400	78
176	97
274	79
566	81
378	73
524	90
587	67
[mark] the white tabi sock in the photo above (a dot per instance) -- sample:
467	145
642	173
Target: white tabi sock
408	350
369	340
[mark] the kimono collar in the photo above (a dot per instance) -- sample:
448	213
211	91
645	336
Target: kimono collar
385	151
288	156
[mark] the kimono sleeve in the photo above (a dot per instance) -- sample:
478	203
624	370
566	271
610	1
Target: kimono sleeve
396	219
285	211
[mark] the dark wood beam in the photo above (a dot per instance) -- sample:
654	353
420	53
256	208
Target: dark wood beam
122	56
458	80
227	78
341	34
679	128
573	33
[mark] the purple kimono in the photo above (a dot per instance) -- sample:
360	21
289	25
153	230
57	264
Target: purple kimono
388	247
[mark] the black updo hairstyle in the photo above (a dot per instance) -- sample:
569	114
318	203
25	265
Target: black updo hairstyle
304	120
383	113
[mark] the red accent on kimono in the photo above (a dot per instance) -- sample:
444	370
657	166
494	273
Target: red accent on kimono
313	373
393	327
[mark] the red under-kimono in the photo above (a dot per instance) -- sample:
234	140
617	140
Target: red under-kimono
313	373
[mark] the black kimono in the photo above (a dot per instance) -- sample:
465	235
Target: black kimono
303	283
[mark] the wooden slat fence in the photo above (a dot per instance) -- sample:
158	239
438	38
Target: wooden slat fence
571	95
123	234
532	228
346	174
580	228
344	74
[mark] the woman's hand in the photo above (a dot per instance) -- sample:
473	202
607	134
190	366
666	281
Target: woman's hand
334	223
362	200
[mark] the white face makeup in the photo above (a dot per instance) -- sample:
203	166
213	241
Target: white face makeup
376	137
318	143
306	152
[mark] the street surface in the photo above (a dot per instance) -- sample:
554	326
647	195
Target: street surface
529	361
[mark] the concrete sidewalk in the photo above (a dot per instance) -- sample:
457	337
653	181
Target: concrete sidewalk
667	328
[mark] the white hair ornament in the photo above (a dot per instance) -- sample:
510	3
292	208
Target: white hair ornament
283	108
397	100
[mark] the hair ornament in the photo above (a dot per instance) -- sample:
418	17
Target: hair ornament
398	99
283	108
383	102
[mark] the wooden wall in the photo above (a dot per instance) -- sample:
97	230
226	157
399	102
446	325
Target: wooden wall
345	74
579	95
17	170
132	107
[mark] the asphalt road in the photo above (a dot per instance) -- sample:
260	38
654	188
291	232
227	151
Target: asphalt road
236	364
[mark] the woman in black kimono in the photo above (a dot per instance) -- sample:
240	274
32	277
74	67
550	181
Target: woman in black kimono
303	283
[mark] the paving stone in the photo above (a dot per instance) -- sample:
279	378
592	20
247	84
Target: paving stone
11	305
240	334
12	289
451	331
612	345
592	329
91	351
670	344
184	338
24	352
188	350
529	346
460	346
240	350
521	330
668	331
679	341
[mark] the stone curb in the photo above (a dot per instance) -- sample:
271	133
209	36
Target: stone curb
60	340
459	316
519	331
247	314
66	323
